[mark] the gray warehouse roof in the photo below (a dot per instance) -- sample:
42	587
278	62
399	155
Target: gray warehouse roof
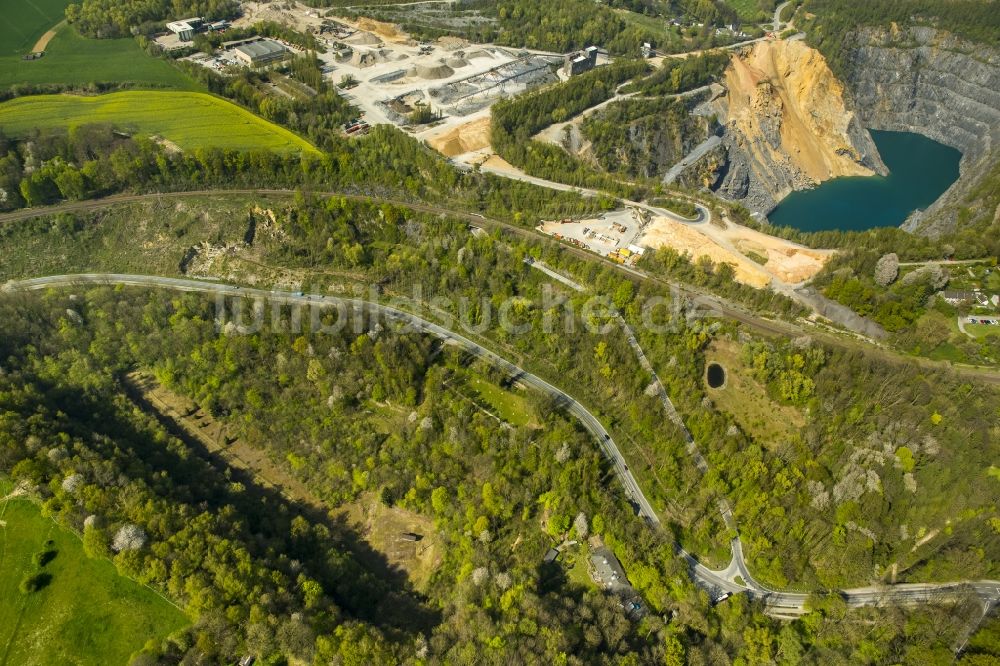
261	49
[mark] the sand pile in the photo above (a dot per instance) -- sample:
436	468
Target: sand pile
478	53
440	70
386	30
465	138
369	58
664	232
457	63
363	39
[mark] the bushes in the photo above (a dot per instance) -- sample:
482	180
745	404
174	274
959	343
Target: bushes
38	579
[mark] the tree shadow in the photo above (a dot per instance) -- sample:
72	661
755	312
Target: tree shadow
42	558
35	582
359	579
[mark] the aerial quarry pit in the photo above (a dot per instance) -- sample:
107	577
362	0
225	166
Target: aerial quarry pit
392	75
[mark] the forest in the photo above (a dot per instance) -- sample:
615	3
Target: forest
515	121
94	160
118	18
318	405
844	465
832	21
677	75
639	138
397	249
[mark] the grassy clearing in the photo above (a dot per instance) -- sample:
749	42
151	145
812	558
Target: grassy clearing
982	330
74	60
25	21
87	614
189	119
769	422
947	352
383	527
509	406
574	559
655	25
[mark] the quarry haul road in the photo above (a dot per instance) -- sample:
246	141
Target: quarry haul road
713	304
778	603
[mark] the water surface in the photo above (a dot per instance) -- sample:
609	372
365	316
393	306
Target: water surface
920	170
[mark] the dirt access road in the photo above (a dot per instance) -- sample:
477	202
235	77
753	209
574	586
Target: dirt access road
44	40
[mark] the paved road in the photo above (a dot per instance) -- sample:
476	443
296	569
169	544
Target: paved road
945	262
777	16
778	602
708	302
737	564
724	581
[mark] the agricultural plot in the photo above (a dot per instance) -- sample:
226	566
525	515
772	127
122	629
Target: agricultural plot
188	119
74	60
84	613
24	22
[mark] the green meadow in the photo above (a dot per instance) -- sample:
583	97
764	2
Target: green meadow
25	21
85	613
71	59
189	119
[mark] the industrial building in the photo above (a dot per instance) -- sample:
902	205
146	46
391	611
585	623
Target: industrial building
186	29
259	52
581	61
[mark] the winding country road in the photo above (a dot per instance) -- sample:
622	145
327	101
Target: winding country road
706	301
778	603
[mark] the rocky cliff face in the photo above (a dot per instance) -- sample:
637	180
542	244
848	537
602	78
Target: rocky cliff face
930	82
638	137
788	125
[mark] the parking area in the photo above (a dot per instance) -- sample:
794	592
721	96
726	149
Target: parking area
613	234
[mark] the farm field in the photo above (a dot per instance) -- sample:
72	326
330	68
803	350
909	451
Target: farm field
87	614
71	59
24	22
188	119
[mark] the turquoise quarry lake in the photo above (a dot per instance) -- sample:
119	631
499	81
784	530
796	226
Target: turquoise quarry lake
920	170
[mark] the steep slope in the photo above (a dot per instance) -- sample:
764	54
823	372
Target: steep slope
931	82
788	125
642	137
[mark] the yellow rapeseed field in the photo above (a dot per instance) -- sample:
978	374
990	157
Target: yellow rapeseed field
189	119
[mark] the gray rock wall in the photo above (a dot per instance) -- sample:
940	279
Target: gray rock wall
921	80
